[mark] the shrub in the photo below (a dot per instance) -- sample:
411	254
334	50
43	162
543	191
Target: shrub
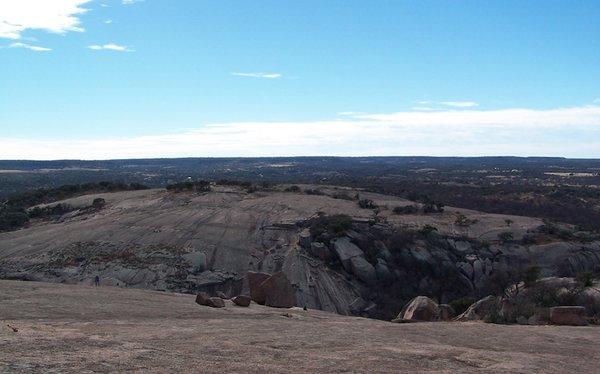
531	275
293	189
98	203
342	196
505	237
335	225
585	279
427	230
462	304
198	186
367	204
313	192
407	209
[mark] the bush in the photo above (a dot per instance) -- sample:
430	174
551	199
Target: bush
336	225
407	209
462	304
12	219
293	189
585	279
531	276
342	196
505	237
98	203
367	204
427	230
313	192
198	186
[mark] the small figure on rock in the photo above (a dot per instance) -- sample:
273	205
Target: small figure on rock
97	281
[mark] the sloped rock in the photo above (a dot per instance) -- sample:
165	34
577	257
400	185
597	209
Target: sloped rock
255	280
278	291
202	298
241	300
222	295
568	315
196	259
419	309
480	309
382	270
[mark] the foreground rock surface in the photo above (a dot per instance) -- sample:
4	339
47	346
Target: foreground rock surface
63	328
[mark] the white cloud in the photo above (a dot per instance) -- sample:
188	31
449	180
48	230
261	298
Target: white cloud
346	114
572	132
460	104
30	47
258	75
56	16
110	47
108	21
129	2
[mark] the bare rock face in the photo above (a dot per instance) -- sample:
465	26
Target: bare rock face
241	300
419	309
216	302
446	312
255	280
363	270
319	250
202	298
278	291
568	315
480	309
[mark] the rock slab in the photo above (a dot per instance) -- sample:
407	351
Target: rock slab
255	280
568	316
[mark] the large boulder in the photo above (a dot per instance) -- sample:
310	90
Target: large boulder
255	280
363	270
481	309
196	259
345	251
568	315
304	239
241	300
278	291
319	250
216	302
446	312
419	309
202	298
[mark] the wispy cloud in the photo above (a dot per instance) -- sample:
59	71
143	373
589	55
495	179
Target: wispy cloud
258	75
108	21
460	104
346	114
129	2
110	47
30	47
572	132
56	16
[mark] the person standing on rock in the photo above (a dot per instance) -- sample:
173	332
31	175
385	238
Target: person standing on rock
97	281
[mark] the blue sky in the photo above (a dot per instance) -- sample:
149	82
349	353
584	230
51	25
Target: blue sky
167	78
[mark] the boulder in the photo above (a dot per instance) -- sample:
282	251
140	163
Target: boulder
304	239
241	300
319	250
363	270
419	309
278	291
382	270
196	259
255	279
202	298
481	309
568	315
446	312
345	250
216	302
222	295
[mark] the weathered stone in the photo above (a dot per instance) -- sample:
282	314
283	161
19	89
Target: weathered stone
278	291
363	270
345	250
446	312
216	302
382	270
196	259
241	300
480	309
304	239
202	298
568	315
319	250
222	295
357	306
255	279
420	309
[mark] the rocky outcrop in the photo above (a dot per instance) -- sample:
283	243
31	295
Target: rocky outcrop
419	309
446	312
568	315
345	251
216	302
202	298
